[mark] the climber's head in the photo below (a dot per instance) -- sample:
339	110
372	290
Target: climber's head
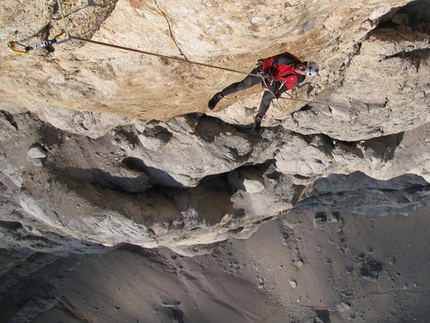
300	68
312	68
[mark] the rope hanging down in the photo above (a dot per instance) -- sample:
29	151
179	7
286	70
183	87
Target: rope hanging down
22	49
60	7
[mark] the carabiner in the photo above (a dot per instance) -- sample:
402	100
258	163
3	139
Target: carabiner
17	48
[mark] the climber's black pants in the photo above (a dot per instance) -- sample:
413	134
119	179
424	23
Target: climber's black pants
251	80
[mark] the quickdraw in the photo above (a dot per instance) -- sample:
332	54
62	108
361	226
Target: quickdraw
18	48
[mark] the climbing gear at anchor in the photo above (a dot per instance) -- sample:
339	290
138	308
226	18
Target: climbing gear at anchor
22	49
18	48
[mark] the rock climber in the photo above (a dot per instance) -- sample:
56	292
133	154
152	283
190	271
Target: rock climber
277	74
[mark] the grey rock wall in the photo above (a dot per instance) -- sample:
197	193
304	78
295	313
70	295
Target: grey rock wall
104	147
101	147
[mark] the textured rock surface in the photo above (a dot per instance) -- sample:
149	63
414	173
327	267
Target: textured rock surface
233	35
203	178
101	146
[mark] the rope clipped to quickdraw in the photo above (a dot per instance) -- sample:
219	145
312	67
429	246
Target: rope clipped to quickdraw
22	49
18	48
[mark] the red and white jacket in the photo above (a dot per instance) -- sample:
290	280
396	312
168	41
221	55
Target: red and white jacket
281	68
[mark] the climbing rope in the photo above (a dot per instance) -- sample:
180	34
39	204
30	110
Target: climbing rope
60	8
22	49
157	55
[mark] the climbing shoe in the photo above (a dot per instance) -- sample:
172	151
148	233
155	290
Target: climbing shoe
215	99
257	124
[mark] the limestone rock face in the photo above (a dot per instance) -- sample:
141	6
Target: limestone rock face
103	146
95	78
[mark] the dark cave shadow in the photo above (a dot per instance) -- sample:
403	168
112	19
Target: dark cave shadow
416	57
383	147
414	17
178	315
418	16
208	128
400	195
95	176
143	201
156	176
106	192
148	177
360	181
323	315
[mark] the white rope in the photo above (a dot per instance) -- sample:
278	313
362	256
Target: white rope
60	7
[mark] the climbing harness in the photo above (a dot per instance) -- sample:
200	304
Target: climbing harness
19	48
